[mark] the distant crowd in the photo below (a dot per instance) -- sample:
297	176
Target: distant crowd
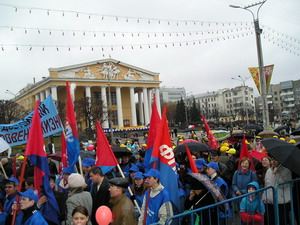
79	196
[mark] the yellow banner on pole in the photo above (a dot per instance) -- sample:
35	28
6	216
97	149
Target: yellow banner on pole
254	71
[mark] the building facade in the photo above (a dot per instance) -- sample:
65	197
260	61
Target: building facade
122	82
172	94
228	104
283	101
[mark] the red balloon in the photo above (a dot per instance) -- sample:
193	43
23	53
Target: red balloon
103	215
90	147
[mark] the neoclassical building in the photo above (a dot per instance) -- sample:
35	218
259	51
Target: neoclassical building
125	82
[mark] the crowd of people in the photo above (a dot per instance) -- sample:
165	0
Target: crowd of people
79	196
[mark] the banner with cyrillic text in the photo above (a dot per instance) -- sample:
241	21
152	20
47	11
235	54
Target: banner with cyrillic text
17	133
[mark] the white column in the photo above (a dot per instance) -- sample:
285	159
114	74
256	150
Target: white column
146	109
37	97
42	96
105	108
132	107
72	91
119	107
158	101
149	101
54	92
88	91
141	111
47	92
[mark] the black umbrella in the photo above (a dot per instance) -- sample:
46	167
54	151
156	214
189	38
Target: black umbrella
296	132
193	146
241	135
209	185
120	151
253	127
221	128
88	154
285	153
280	128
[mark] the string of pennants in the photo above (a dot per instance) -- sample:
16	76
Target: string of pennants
282	40
95	33
128	46
117	18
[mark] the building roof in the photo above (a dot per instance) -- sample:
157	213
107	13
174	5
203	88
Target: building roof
100	62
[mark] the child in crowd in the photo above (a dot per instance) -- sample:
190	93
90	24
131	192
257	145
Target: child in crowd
252	208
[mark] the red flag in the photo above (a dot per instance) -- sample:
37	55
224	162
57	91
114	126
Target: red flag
192	162
258	155
105	157
154	126
164	157
35	150
211	138
245	153
64	158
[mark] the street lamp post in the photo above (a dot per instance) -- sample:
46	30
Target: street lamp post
263	89
9	92
244	95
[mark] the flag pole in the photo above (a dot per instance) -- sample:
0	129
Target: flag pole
80	165
19	189
3	170
130	191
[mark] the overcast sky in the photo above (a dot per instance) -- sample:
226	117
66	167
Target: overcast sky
207	65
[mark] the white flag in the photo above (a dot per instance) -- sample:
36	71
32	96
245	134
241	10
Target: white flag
3	145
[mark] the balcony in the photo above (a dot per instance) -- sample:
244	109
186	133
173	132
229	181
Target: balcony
286	93
288	99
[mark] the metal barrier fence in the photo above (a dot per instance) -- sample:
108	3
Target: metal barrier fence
281	208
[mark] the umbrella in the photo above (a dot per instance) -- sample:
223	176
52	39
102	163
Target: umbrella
88	154
188	141
55	156
189	130
194	146
210	186
221	135
285	153
296	132
280	128
120	151
241	135
253	127
267	134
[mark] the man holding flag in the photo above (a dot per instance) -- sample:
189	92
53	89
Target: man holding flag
164	177
159	204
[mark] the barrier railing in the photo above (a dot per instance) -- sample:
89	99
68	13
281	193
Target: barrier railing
221	213
282	209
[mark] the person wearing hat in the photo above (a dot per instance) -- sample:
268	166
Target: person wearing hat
99	191
77	196
211	169
87	165
122	207
29	215
223	170
63	185
126	165
231	163
258	144
252	208
139	188
160	206
200	164
11	186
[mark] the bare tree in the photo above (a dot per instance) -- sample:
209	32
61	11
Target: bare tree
11	112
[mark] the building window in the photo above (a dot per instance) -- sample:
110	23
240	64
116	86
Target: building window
126	123
115	117
113	98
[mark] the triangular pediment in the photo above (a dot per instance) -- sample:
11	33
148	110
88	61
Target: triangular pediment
104	69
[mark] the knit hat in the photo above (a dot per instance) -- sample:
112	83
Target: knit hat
75	180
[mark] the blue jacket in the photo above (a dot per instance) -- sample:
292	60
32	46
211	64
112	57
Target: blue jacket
241	180
252	207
